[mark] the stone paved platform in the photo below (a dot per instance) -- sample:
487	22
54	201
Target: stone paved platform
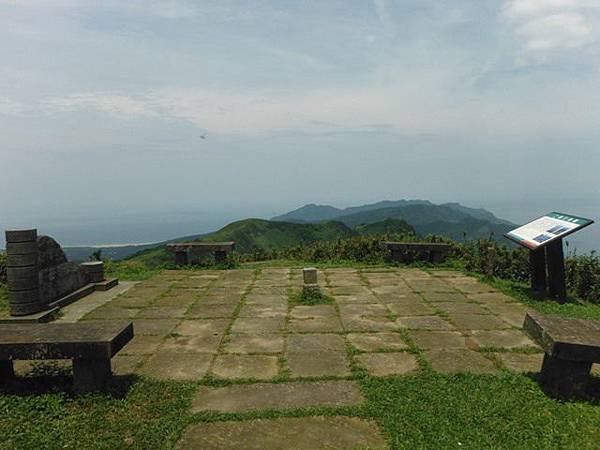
242	326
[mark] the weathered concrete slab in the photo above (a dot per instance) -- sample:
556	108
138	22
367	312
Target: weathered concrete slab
462	308
386	364
315	325
191	344
211	311
309	312
502	339
279	396
255	343
157	327
371	323
306	433
413	308
459	360
424	323
374	342
318	364
258	325
126	364
445	297
177	366
162	312
478	322
438	339
520	362
142	345
258	367
202	327
263	311
366	309
299	343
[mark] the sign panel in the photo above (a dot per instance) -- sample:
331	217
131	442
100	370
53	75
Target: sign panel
546	229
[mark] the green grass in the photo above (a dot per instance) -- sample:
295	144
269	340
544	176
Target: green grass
309	298
522	292
424	411
129	270
478	411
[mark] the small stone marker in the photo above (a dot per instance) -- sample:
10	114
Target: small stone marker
311	286
310	275
94	271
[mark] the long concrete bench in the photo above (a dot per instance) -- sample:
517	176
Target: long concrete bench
433	252
571	346
90	345
191	252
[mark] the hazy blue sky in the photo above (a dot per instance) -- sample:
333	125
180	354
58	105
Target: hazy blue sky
103	104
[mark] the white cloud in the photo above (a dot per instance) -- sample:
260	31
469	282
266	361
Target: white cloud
549	27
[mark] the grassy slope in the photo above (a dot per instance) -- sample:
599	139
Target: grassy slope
258	233
3	298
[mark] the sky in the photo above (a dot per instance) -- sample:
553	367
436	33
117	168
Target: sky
224	109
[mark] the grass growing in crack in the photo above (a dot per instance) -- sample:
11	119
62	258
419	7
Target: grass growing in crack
310	298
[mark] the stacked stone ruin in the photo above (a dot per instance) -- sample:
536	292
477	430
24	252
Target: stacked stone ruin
38	272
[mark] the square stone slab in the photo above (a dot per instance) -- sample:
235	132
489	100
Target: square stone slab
386	364
424	323
502	339
159	327
204	311
306	433
520	362
316	325
202	327
445	297
278	396
162	312
477	322
318	364
374	342
366	309
142	345
461	308
362	299
109	312
309	312
438	339
258	311
459	360
258	325
191	344
254	343
412	308
404	297
258	367
125	364
299	343
174	302
372	323
177	366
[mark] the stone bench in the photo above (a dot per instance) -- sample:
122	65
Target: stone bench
191	252
434	252
90	345
571	346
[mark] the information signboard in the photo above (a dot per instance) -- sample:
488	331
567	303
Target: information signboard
547	229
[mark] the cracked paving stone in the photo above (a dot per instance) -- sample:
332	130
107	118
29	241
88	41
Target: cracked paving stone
373	342
424	323
255	343
438	339
386	364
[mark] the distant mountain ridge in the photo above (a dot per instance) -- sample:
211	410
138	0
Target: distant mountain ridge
449	219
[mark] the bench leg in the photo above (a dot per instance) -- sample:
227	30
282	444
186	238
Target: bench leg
220	257
7	372
564	378
90	374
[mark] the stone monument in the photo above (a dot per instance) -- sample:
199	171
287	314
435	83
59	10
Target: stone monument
311	286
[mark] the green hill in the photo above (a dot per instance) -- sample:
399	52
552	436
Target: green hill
385	227
450	219
257	234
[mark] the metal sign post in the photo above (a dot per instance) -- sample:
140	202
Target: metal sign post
544	239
